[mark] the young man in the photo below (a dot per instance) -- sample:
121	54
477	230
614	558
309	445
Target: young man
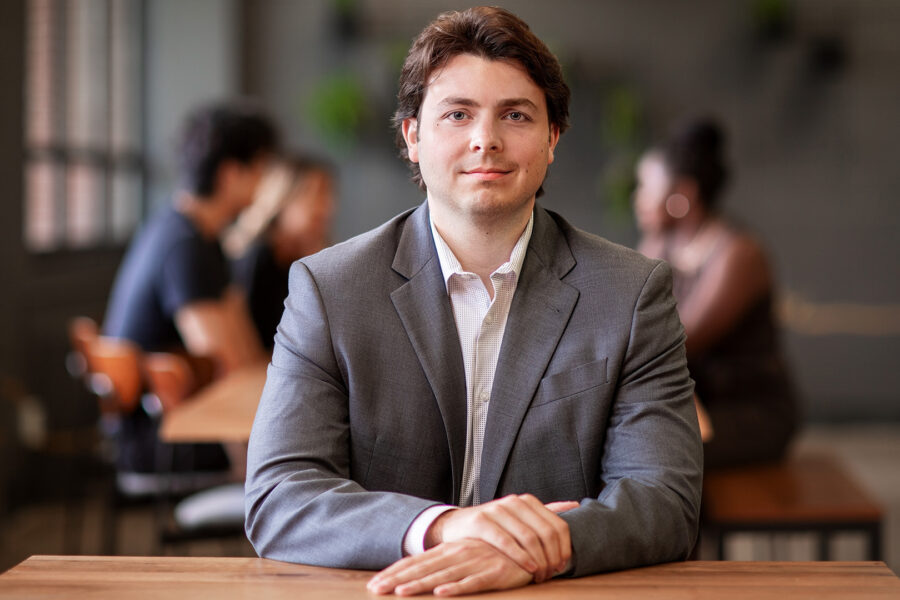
173	288
476	385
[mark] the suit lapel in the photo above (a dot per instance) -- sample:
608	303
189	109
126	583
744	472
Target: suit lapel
424	309
540	310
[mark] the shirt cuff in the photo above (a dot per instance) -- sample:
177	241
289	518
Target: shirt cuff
414	540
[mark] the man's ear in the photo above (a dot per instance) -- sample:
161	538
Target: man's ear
554	139
410	129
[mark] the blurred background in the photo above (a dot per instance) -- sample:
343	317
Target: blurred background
808	91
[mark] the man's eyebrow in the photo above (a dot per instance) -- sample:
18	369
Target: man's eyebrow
525	102
457	101
461	101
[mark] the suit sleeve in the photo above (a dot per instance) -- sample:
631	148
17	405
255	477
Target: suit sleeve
301	503
648	509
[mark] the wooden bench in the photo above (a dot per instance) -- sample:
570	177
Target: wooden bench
803	493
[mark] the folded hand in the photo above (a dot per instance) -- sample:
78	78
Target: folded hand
530	533
449	569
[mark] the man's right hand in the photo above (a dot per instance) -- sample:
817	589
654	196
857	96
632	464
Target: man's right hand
530	533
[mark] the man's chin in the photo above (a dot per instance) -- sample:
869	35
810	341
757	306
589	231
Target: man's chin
489	204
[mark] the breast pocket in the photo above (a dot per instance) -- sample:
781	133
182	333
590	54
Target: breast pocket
571	382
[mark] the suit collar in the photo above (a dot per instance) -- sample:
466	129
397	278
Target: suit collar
426	314
416	246
549	243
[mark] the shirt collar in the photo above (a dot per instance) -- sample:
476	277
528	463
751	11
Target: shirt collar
450	265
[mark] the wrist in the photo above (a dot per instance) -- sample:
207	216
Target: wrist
435	532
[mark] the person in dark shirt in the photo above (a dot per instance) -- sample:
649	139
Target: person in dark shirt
293	218
172	291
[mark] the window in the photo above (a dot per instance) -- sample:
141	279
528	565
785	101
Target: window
84	166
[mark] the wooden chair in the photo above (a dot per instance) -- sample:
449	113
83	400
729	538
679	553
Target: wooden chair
114	372
113	369
803	493
110	369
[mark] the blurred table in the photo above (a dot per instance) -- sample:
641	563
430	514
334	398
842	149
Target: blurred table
223	411
803	492
132	578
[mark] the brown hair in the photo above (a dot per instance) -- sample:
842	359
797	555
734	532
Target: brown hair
489	32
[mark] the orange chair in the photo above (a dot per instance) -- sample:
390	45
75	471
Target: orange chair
118	373
114	367
109	367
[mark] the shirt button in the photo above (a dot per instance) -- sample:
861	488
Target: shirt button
484	397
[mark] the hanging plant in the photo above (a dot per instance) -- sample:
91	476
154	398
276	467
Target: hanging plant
337	109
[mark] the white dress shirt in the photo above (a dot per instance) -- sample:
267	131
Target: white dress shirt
480	322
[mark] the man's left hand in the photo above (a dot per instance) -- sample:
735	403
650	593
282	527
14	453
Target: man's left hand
450	569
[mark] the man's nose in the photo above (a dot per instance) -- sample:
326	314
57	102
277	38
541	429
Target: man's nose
485	137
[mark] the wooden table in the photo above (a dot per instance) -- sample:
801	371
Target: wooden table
804	492
136	578
223	411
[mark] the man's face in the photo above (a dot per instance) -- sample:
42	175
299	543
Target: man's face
483	140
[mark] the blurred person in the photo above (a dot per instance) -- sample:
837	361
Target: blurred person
476	395
724	288
290	219
173	291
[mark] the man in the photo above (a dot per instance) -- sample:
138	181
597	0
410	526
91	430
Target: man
172	291
173	286
476	379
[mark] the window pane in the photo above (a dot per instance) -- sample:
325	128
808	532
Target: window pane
83	123
87	113
125	75
85	214
42	44
125	204
43	217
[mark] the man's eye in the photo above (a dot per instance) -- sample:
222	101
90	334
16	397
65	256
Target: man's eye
457	115
516	116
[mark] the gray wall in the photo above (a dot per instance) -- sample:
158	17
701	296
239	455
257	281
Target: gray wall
813	142
193	56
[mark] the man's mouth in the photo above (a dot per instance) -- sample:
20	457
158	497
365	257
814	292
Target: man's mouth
487	173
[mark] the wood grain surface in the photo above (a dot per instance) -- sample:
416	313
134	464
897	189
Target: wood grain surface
132	578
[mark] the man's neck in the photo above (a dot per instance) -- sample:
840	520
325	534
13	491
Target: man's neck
480	245
209	214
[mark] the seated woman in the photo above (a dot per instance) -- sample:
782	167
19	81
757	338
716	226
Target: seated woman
291	218
724	288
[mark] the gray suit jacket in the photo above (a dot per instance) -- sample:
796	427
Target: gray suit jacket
362	422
